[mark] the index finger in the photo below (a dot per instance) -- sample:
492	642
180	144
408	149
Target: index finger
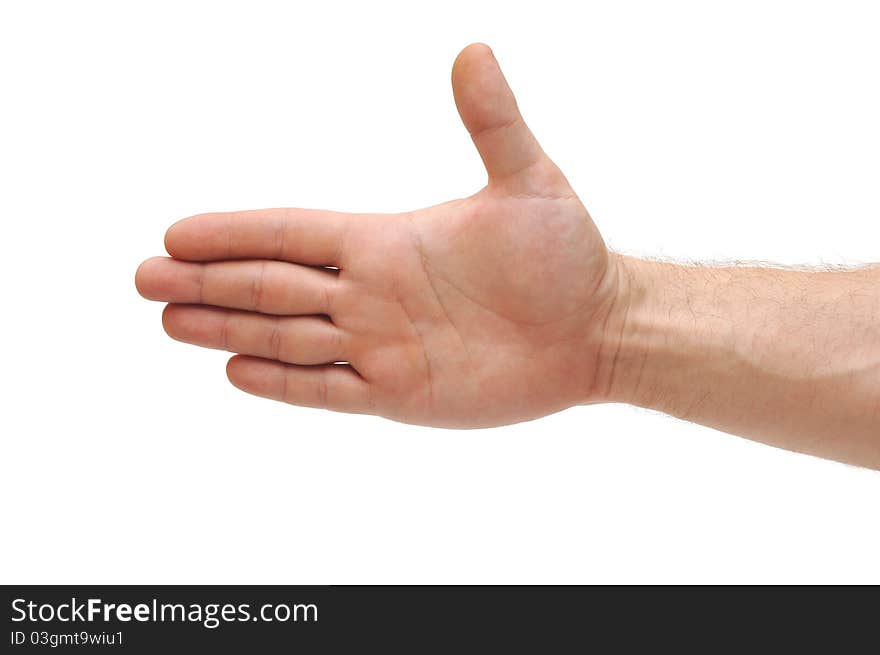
305	236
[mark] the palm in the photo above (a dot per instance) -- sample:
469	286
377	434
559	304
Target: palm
472	313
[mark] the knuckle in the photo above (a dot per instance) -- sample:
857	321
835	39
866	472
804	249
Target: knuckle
257	287
336	343
323	389
276	339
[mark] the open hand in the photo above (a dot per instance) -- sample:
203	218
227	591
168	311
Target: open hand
481	311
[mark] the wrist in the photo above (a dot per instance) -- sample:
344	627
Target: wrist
660	332
615	377
623	352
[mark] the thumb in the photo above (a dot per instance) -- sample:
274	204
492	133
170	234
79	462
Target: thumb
489	112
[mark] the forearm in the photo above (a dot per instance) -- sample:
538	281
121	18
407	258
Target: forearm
790	358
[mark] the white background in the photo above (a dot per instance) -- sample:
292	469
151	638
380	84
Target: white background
693	131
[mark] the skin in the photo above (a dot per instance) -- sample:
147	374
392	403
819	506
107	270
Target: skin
506	306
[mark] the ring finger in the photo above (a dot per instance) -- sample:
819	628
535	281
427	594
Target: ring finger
305	340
